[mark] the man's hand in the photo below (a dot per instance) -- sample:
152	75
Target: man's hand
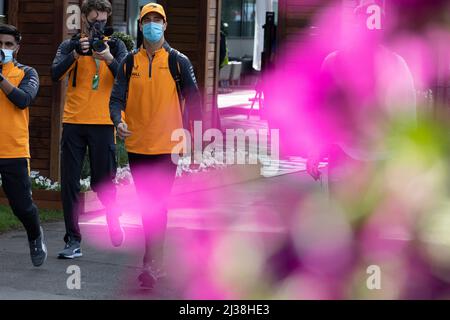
84	44
6	86
122	130
312	165
105	55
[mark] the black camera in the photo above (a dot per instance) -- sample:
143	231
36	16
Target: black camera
97	41
2	56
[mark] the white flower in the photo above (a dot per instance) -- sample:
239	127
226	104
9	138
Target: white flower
123	176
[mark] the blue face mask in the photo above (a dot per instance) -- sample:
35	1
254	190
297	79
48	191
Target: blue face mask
7	56
153	32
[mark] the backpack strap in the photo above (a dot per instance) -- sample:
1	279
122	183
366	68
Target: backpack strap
129	65
175	71
75	72
76	39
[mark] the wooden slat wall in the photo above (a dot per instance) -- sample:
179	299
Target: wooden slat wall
184	31
13	12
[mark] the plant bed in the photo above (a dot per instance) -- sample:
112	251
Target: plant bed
44	199
192	182
51	200
208	175
205	180
9	222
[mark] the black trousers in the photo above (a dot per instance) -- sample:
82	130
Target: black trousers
17	186
76	138
153	177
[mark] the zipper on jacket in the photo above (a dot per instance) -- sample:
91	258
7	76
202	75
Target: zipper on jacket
150	66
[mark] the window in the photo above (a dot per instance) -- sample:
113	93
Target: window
240	17
3	11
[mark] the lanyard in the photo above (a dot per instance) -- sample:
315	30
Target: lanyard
96	78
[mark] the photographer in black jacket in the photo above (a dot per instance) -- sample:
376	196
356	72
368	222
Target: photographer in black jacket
91	62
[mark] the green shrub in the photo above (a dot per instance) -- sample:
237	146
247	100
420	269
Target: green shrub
127	39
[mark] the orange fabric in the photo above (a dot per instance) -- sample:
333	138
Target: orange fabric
14	122
153	110
153	7
85	105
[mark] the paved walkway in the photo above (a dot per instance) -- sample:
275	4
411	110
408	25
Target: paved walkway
254	207
238	98
109	273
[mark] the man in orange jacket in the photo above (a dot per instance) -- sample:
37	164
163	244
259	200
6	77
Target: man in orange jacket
19	85
156	89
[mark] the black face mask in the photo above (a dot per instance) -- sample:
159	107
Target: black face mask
97	26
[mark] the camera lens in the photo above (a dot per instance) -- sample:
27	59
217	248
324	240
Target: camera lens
98	45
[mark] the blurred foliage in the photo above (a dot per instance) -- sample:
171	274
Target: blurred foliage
127	39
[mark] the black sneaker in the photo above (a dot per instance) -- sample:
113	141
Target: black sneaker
38	250
71	250
147	279
150	276
116	232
